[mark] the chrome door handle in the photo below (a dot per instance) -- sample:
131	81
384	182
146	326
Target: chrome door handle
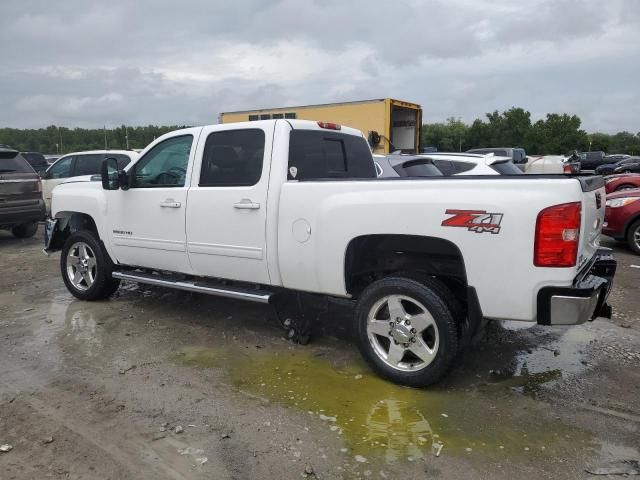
246	204
170	203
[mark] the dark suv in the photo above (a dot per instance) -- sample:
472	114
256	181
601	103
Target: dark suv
592	160
21	203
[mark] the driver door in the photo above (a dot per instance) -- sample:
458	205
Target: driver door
148	219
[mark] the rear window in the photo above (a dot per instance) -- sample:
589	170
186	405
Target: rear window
418	168
506	168
13	162
317	154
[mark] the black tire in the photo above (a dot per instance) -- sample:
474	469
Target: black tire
26	230
633	237
429	293
103	284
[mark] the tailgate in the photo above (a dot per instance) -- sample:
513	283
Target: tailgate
19	189
593	206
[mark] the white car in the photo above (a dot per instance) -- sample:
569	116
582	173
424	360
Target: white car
290	212
78	164
448	164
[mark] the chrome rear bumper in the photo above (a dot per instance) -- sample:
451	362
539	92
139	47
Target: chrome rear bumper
585	300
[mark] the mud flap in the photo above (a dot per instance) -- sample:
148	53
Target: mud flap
297	312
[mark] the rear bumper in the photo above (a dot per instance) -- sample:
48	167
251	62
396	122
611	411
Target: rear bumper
585	300
12	216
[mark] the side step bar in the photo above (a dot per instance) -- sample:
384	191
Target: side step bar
199	287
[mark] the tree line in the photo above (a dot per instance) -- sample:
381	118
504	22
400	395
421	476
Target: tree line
54	139
556	134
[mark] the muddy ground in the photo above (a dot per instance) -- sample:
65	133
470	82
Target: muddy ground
97	390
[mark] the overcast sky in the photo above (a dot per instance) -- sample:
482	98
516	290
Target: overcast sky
88	63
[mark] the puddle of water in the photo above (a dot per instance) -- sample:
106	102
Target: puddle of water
382	420
547	362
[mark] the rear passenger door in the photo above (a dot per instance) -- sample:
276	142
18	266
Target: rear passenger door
227	202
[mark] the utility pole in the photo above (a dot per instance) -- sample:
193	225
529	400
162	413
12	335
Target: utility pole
60	135
105	137
126	136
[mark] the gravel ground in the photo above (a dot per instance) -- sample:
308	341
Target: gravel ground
162	384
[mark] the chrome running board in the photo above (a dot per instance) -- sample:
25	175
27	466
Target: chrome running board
199	287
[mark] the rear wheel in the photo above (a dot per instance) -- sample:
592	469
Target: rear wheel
86	267
625	187
26	230
406	330
633	237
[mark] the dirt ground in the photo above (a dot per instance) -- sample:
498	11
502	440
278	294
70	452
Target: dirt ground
163	384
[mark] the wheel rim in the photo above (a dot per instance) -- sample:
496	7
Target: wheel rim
81	266
402	333
636	238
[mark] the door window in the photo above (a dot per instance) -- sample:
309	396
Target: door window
88	164
232	158
61	169
165	165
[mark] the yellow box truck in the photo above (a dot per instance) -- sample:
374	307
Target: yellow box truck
389	124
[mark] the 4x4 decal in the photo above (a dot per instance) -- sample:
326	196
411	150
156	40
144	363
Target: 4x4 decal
478	221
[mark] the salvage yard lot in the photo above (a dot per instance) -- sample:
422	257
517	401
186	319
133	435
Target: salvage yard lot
109	382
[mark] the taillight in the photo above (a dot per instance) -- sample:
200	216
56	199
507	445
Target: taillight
329	126
567	168
557	236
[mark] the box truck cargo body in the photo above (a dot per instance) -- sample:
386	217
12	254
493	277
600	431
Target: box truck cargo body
390	125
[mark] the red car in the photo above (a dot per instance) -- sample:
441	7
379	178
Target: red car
623	181
622	217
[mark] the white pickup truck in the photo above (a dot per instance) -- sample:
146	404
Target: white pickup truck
291	213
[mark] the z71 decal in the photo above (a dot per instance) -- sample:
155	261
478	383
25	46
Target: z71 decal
478	221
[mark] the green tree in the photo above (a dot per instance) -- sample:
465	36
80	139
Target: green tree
449	136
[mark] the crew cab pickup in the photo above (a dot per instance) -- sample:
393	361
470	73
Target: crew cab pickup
291	213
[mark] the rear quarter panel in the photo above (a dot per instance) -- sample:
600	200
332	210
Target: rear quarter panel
499	266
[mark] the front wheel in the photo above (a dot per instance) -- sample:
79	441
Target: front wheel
86	268
406	330
633	237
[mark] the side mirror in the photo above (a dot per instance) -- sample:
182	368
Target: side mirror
112	178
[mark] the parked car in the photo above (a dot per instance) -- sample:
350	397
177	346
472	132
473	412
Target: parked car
78	164
622	217
622	181
591	160
36	160
517	155
447	164
616	157
290	212
21	203
630	165
627	165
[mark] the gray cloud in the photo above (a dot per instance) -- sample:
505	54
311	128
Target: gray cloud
83	63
